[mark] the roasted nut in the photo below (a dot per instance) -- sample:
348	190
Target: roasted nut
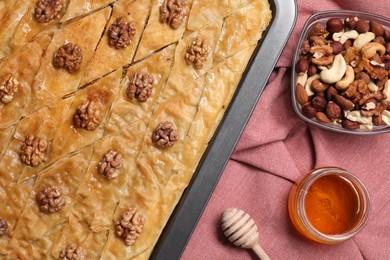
363	76
110	163
376	28
302	65
141	86
3	226
173	12
318	30
334	25
350	125
347	44
50	199
48	10
319	103
87	115
73	252
350	22
362	26
387	47
301	94
330	92
377	119
165	135
121	33
312	70
337	47
197	52
130	226
8	88
386	35
344	103
318	86
379	39
33	150
321	117
333	111
69	57
309	111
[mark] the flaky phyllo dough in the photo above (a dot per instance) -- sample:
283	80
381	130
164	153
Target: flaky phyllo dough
106	108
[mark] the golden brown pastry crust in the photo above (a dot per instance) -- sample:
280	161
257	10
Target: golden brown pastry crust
151	179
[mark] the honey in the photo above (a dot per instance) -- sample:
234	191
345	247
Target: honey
329	205
332	205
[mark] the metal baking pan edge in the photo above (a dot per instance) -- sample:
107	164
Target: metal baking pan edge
187	213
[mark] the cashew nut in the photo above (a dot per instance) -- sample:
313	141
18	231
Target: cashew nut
302	77
356	116
336	36
353	34
348	78
363	39
308	84
336	71
386	90
386	117
371	48
372	86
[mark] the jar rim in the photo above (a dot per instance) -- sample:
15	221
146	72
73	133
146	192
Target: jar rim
357	184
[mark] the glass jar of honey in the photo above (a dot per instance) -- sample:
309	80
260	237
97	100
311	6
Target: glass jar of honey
329	205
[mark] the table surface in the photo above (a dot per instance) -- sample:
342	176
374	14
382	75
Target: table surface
275	150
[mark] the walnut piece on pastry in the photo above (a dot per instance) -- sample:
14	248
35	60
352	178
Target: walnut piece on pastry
73	252
129	227
50	199
87	115
173	12
165	135
141	86
197	52
3	226
8	88
33	151
121	33
69	56
48	10
110	164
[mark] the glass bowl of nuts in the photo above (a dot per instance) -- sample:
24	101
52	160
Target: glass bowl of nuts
341	72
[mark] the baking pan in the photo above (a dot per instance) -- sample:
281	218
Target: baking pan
183	220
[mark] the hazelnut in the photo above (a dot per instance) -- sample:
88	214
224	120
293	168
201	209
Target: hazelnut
330	92
376	28
362	26
302	65
350	22
333	111
350	125
347	44
312	70
381	83
337	47
387	47
386	35
319	103
334	25
379	39
308	110
363	76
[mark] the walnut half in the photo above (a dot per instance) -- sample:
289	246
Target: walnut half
173	12
165	135
197	52
87	115
109	165
50	199
141	86
3	226
69	56
130	226
73	252
8	88
33	151
121	33
48	10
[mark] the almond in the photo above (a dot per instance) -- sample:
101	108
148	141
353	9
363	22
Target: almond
344	103
321	117
301	94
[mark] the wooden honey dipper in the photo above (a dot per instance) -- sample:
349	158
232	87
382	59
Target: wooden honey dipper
241	230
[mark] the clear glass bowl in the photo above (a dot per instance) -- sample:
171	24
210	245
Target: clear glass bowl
322	18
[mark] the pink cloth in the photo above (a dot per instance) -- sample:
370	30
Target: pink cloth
275	150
